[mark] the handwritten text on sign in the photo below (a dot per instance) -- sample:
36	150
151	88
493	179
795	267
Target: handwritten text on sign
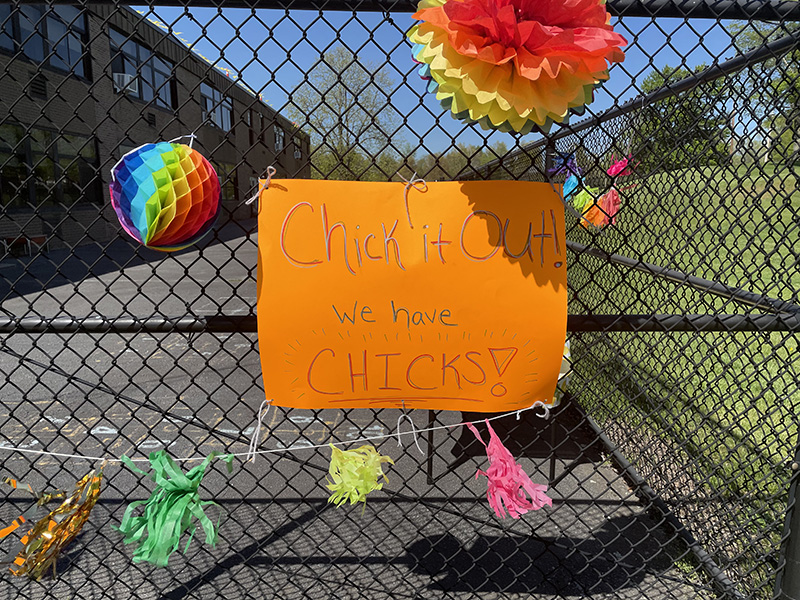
453	298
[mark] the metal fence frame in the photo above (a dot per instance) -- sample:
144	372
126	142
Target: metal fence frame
771	314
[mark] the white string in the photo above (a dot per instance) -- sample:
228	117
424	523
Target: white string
418	184
536	404
272	450
263	411
191	137
271	171
413	431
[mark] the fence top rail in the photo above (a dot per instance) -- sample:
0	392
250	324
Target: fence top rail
768	50
764	10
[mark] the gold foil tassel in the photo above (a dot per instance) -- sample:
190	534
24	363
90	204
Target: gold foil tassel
52	533
40	499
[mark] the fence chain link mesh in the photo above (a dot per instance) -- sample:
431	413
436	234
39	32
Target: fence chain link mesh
669	457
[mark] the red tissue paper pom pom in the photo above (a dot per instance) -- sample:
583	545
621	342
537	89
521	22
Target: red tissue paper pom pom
514	64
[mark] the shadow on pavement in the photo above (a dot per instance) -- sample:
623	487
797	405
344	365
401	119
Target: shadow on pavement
618	555
31	274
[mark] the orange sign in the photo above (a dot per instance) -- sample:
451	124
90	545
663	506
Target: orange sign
382	295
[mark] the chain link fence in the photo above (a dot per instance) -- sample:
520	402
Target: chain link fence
670	456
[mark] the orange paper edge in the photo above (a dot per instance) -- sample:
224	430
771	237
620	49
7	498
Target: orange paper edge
458	303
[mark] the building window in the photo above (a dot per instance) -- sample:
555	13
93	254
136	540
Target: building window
13	166
227	180
217	108
54	37
280	138
42	167
140	73
298	148
250	120
6	28
76	159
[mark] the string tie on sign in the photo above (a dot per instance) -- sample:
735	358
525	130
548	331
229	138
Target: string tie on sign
263	410
545	415
418	184
271	171
413	431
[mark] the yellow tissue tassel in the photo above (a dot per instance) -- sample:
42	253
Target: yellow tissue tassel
355	473
52	533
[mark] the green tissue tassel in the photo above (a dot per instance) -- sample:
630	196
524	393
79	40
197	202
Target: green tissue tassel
355	473
584	198
169	511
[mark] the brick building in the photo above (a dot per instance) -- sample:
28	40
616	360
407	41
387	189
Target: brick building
80	88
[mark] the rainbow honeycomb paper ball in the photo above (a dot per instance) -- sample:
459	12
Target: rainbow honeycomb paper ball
166	195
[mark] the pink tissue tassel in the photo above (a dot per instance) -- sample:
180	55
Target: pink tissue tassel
507	481
620	167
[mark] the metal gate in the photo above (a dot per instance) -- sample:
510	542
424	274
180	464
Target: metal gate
672	458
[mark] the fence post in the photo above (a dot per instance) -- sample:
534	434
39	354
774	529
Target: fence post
788	586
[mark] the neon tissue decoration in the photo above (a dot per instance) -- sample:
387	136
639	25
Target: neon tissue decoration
610	204
166	195
564	164
570	185
621	167
172	509
514	65
355	473
507	481
598	210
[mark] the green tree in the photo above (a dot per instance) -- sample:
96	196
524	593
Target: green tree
458	161
772	90
344	104
687	130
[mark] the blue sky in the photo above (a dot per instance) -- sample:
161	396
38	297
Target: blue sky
271	54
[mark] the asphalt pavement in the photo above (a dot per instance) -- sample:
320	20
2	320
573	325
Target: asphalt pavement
429	534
